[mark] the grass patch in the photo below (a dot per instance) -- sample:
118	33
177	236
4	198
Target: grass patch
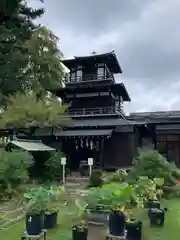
171	227
68	216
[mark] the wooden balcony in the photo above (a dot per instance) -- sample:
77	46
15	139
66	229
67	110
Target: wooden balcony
89	78
80	112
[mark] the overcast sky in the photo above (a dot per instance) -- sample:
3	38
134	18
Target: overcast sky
145	35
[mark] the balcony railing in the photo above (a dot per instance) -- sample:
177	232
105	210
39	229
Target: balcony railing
95	111
89	78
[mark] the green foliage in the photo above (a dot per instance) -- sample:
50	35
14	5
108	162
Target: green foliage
54	168
42	199
81	206
45	69
146	189
10	8
30	65
13	170
37	199
55	193
118	176
159	182
153	165
25	110
16	27
29	54
95	178
172	191
175	171
114	195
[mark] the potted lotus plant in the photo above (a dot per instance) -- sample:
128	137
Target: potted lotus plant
80	230
134	226
95	211
117	198
37	199
156	193
148	191
134	229
50	217
52	207
114	197
156	216
98	214
2	220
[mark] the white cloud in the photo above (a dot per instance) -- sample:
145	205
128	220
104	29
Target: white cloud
145	35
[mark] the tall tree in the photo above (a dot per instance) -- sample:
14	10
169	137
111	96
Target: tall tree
25	110
44	70
16	28
9	9
29	64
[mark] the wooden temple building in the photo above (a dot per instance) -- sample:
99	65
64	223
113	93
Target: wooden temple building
160	131
98	126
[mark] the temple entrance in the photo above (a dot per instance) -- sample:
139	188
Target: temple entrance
78	150
80	154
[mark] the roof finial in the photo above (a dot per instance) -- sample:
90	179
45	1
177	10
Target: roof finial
94	53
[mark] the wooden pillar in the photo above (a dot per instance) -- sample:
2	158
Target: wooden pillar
178	149
177	153
137	136
153	134
102	152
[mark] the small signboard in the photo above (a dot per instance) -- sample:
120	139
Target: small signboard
63	161
90	161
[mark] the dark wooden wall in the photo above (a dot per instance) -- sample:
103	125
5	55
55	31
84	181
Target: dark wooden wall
92	102
120	150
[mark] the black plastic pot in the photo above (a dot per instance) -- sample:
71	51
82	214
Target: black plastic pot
156	217
152	204
117	224
97	216
50	220
134	230
34	224
2	222
79	233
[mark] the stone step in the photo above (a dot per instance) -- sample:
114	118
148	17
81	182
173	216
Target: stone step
74	189
78	192
76	185
73	179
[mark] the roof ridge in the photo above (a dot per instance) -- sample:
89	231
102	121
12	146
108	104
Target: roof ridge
27	140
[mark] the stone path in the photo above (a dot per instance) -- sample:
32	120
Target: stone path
11	212
76	185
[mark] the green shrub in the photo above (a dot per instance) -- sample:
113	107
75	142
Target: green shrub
146	189
95	179
153	165
114	196
53	167
171	191
42	199
175	171
118	176
13	170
